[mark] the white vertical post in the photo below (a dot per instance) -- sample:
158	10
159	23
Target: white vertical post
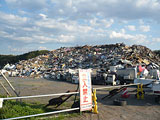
1	102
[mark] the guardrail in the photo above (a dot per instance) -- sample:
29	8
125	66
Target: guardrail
35	96
67	110
108	87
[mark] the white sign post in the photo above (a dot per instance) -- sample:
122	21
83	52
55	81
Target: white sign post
85	89
1	102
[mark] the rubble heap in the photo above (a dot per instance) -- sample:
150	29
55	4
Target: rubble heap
101	56
95	57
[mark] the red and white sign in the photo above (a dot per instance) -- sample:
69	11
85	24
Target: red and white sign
85	89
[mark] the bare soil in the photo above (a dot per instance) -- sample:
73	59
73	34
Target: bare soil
135	109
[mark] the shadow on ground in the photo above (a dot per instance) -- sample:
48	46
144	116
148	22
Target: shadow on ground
132	100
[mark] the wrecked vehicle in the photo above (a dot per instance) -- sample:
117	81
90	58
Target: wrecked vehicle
126	75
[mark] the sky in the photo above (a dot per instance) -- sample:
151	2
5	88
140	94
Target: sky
27	25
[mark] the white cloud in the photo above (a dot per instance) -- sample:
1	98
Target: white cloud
3	33
122	31
131	27
20	50
61	11
63	26
69	3
12	19
141	22
77	9
21	12
122	9
42	48
22	39
142	3
156	40
78	21
137	39
66	38
43	16
144	28
140	39
107	24
149	3
32	5
95	22
122	35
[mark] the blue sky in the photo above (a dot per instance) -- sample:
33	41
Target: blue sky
28	25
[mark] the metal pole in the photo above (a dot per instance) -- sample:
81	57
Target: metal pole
35	96
108	87
48	113
9	84
5	89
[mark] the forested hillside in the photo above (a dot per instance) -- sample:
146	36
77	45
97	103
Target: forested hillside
4	59
157	52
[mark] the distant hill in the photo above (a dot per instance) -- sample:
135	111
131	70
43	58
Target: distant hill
4	59
157	52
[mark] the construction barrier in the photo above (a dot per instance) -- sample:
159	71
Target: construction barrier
95	107
140	92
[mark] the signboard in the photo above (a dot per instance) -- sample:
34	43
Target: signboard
85	89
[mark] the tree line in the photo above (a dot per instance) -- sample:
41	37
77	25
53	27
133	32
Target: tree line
11	59
157	52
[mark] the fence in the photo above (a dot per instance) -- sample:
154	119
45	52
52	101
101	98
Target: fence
67	110
108	87
35	96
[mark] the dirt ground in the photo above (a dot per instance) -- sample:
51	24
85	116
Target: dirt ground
135	109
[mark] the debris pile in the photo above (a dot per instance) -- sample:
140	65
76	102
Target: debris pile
62	64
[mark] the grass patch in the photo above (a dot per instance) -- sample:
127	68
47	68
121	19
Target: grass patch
16	109
12	108
62	116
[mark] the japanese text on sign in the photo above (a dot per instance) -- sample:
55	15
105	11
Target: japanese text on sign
85	90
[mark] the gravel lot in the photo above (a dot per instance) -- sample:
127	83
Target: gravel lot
145	109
